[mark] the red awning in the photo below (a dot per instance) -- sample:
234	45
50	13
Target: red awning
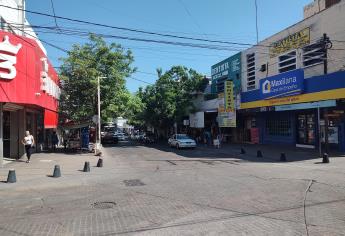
50	119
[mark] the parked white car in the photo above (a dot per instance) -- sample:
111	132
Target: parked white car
181	141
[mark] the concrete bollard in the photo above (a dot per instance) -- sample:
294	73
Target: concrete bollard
282	157
259	154
243	151
57	172
100	162
11	178
325	158
86	167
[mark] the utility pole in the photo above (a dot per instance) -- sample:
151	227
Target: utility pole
256	22
21	14
99	112
326	45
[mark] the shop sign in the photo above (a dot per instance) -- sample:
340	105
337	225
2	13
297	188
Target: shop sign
308	105
229	96
8	57
229	68
47	84
282	85
293	41
226	119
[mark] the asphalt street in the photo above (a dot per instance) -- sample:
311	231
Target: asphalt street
156	190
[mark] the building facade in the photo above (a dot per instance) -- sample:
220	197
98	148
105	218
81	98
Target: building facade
293	83
29	85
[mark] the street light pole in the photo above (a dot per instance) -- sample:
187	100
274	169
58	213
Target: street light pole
99	111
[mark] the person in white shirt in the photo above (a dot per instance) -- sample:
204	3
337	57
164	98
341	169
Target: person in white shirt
28	141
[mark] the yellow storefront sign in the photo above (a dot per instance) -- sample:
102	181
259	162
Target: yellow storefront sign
229	96
293	41
308	97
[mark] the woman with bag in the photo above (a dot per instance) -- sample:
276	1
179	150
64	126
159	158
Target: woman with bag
28	142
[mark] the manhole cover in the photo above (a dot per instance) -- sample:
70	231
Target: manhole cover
133	182
103	205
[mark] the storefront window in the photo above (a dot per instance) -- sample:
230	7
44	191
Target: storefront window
278	127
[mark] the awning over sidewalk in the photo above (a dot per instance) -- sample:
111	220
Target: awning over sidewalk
50	119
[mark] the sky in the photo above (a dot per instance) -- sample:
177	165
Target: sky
222	20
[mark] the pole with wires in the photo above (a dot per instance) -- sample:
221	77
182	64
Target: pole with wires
256	22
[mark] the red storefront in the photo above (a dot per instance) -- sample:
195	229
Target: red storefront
29	93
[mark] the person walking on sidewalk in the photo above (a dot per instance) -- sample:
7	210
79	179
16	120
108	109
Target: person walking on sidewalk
28	142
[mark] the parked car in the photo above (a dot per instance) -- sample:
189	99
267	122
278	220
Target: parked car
181	141
109	137
121	136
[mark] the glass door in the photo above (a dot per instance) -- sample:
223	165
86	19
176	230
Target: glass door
306	129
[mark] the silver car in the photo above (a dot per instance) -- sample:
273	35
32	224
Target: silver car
181	141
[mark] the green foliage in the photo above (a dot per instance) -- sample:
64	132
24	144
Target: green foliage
79	73
170	98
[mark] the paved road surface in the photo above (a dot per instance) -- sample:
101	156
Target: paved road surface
160	191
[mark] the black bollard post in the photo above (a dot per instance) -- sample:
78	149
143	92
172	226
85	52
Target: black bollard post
57	172
11	178
100	162
243	151
282	157
86	167
259	154
325	158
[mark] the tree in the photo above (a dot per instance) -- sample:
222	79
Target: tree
79	73
170	98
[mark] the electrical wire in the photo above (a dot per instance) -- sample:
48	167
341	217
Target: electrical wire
136	30
53	8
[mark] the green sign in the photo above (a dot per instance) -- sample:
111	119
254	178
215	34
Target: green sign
230	69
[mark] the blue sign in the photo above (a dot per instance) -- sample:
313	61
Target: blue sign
307	105
85	137
282	85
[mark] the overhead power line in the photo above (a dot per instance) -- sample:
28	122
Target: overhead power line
53	8
132	29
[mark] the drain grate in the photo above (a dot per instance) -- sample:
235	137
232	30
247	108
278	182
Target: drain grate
133	182
103	205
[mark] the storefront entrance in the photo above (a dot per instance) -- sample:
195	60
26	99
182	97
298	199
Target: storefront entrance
306	130
6	134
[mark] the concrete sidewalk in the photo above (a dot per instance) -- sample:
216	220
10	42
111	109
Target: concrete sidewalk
271	153
37	172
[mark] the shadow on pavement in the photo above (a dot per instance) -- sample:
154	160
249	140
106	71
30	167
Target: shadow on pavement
270	153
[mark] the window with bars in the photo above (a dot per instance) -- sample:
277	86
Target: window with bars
287	62
313	54
251	71
278	127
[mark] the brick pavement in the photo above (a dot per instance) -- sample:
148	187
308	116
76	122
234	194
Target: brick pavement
204	192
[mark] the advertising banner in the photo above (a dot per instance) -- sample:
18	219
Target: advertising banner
229	96
282	85
26	75
293	41
227	119
230	69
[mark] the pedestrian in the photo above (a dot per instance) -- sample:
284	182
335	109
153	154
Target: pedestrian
28	141
55	140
